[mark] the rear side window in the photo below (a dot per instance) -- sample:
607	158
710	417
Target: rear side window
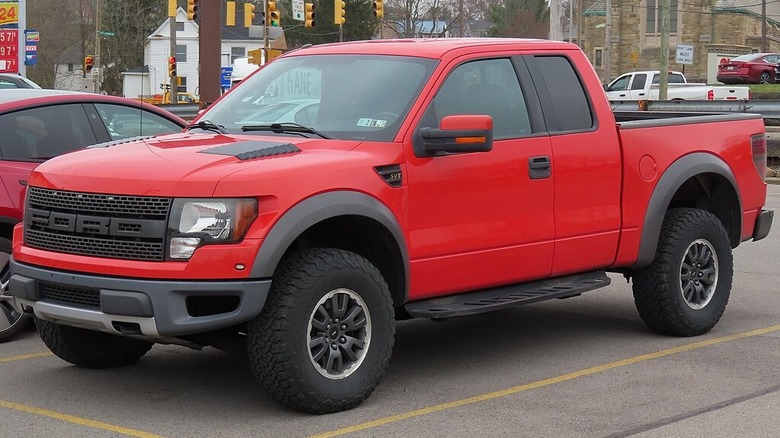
639	81
569	101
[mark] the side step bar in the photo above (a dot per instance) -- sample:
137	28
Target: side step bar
502	297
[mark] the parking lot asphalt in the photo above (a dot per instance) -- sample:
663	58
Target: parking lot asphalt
580	367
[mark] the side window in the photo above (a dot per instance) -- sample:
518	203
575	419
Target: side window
485	87
569	102
42	133
125	121
620	84
13	144
639	81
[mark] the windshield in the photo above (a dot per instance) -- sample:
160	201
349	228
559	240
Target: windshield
353	97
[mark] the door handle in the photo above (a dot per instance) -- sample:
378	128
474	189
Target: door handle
539	167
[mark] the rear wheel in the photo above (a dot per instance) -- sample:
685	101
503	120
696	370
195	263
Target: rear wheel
90	349
685	290
11	321
324	338
765	78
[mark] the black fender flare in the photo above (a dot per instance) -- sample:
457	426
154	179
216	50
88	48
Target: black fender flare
317	209
673	178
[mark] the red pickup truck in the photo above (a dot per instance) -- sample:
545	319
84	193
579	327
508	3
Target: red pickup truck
343	187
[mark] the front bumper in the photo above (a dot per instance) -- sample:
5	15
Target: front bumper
149	308
763	224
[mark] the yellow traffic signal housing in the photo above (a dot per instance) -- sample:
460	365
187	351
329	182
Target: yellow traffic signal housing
192	9
230	13
308	14
249	14
255	56
172	67
274	15
339	12
379	9
88	63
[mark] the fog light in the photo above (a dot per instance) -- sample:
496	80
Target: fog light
183	247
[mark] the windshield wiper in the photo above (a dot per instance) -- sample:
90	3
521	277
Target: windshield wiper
285	127
207	125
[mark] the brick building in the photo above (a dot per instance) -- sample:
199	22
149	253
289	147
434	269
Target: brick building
715	28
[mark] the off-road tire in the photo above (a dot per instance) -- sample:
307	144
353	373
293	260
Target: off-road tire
673	295
285	340
11	321
90	349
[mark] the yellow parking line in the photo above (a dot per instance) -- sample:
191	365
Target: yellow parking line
77	420
24	356
542	383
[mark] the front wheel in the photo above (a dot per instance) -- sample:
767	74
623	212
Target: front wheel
11	320
324	338
685	290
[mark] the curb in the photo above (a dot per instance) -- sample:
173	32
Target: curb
773	180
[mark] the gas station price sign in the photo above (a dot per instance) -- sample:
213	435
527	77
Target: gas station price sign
9	50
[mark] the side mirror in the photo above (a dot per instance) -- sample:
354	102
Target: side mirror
458	134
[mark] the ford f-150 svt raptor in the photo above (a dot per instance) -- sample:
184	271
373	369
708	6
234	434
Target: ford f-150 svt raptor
343	187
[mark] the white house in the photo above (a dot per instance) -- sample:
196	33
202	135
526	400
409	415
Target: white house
153	77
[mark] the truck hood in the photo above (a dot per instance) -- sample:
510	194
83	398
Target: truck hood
184	164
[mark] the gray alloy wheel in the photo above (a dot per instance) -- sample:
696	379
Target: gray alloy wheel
339	333
11	321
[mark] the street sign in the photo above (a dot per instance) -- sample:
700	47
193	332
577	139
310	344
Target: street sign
9	51
31	40
297	10
684	54
225	77
106	33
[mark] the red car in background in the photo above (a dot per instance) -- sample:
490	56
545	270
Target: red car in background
38	124
756	68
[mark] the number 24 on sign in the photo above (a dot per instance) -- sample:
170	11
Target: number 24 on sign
8	13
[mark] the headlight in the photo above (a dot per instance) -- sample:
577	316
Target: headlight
196	222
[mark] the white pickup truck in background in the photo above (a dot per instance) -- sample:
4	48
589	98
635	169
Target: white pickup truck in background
643	85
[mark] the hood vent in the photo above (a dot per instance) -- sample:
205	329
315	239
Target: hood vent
247	150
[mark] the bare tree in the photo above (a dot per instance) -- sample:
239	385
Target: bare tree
62	24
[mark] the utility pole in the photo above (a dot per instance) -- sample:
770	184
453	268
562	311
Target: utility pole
664	79
98	25
608	44
763	26
209	43
172	9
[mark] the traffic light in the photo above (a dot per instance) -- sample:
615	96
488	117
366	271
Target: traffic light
172	67
273	13
309	14
230	13
88	63
254	56
249	14
379	9
339	13
192	9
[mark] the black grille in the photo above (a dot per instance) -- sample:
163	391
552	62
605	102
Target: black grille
72	296
97	225
114	249
147	207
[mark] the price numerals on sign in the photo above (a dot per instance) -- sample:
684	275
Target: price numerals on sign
9	50
9	37
9	12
